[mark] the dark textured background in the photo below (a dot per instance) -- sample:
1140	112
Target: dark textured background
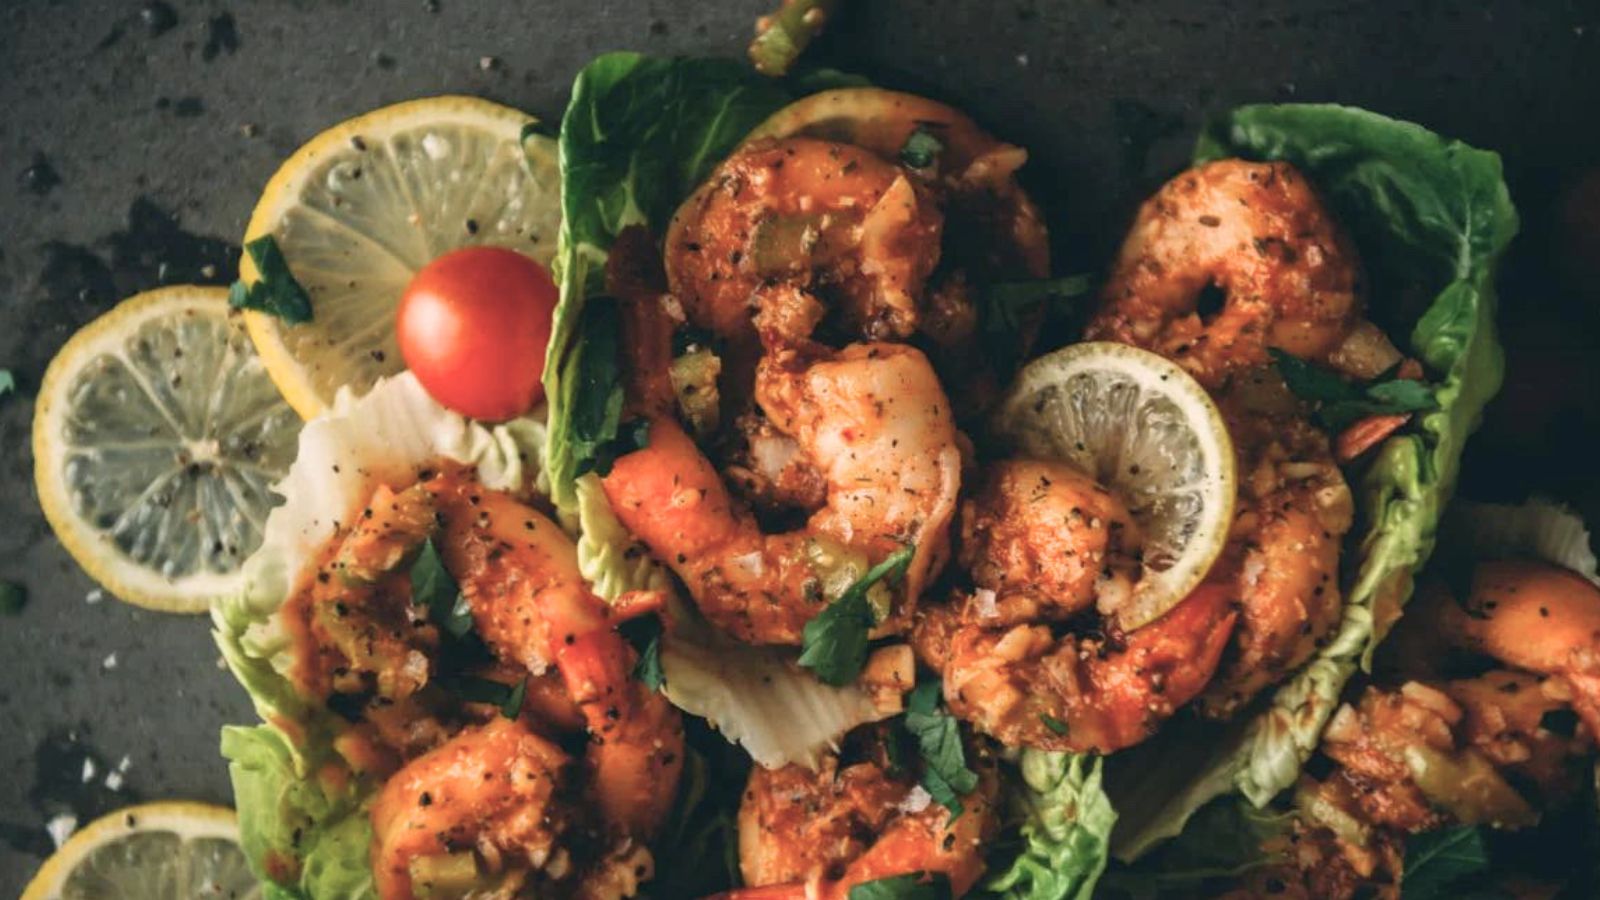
132	149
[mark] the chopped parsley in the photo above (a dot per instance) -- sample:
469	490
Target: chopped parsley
1013	310
644	634
1055	725
945	774
1340	403
13	597
921	149
834	644
8	382
1439	862
432	586
508	697
275	292
631	435
914	886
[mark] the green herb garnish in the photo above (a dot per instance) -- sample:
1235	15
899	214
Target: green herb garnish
631	435
13	597
945	774
1014	311
915	886
1437	862
470	689
275	292
432	586
1341	403
1055	725
921	149
8	382
834	644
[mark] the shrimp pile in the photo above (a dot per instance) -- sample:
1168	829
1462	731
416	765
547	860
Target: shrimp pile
814	835
1495	747
560	797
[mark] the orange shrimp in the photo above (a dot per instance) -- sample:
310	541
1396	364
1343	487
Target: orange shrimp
874	422
815	835
519	573
1027	687
1258	232
782	223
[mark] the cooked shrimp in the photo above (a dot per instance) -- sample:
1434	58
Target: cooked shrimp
1026	686
1042	541
874	422
500	791
786	231
1256	232
1541	618
519	573
815	835
1283	553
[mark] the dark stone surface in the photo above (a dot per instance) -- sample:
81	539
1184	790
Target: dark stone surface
157	124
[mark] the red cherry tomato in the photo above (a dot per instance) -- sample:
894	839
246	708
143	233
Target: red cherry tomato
473	325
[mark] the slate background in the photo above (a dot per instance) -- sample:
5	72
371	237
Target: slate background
135	136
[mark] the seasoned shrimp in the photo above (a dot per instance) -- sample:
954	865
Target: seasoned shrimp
1283	554
519	573
1028	687
1541	618
1257	233
1043	541
814	835
786	231
874	422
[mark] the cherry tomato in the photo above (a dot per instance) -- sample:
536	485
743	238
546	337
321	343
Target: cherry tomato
473	325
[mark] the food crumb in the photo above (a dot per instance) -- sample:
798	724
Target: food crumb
61	827
1022	59
110	661
487	62
94	596
88	770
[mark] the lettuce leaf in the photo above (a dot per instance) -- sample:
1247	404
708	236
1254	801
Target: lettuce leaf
1065	830
639	135
1538	528
1431	218
302	816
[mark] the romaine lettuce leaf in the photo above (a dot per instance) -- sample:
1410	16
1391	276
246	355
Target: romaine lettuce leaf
638	136
302	816
1066	823
1431	218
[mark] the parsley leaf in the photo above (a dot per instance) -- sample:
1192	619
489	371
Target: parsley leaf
631	435
915	886
834	644
1436	861
945	773
470	689
648	668
8	382
1014	310
276	292
1341	403
1054	724
921	149
432	586
13	597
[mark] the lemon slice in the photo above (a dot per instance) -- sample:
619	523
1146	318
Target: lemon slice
158	851
1146	429
156	438
364	205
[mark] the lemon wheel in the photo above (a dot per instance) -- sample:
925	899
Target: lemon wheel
364	205
156	439
1146	429
157	851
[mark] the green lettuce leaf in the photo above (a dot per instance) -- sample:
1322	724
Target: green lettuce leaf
1431	218
1226	839
638	136
1065	832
